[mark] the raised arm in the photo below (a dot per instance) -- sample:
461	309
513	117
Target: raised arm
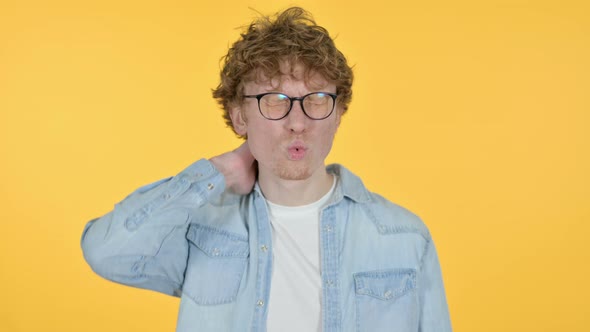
142	241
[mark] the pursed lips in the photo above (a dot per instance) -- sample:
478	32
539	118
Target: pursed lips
297	150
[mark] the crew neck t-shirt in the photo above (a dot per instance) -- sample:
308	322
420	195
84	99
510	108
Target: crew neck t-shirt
296	288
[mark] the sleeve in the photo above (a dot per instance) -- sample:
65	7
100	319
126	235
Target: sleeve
434	315
142	241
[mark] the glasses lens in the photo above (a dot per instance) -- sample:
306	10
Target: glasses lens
274	105
318	105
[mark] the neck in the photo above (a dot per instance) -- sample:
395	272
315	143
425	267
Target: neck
295	192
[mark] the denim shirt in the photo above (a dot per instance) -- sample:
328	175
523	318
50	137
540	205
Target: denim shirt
185	236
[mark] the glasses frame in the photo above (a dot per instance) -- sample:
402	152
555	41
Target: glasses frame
291	100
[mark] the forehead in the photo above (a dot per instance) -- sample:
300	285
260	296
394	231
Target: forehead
288	74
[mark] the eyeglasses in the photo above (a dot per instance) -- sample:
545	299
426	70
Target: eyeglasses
275	106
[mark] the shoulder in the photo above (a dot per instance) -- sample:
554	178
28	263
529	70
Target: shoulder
387	217
391	218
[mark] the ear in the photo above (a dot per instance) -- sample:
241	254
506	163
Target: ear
238	120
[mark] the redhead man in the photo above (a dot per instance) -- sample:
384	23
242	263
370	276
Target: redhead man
267	237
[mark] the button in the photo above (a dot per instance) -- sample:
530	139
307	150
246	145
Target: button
215	251
328	228
329	283
210	186
166	196
260	303
387	294
264	248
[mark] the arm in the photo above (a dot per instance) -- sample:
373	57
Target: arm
434	314
142	242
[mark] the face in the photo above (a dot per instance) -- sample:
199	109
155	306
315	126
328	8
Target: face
295	147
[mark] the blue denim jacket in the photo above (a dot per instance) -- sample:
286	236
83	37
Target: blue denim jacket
185	236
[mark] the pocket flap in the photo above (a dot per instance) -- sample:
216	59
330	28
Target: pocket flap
385	284
218	243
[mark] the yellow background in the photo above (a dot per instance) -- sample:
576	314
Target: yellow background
475	115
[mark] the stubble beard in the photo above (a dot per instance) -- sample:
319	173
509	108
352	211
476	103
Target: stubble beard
290	170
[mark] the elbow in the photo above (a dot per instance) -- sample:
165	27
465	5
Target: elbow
92	247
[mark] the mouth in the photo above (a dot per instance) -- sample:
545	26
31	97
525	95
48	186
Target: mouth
296	151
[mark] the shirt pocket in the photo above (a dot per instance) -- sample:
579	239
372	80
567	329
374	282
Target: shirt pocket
216	264
386	300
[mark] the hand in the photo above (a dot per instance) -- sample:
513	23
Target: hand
239	169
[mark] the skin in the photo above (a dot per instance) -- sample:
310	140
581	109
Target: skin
289	153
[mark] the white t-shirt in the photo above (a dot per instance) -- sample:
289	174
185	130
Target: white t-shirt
296	287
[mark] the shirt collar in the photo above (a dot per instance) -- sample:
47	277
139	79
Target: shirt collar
350	185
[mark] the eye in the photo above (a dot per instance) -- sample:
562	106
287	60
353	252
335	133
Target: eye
275	99
318	98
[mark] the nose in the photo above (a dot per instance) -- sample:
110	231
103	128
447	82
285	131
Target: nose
296	120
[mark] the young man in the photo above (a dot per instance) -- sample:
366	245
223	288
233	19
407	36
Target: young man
266	237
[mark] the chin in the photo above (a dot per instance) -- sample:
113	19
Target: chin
293	172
